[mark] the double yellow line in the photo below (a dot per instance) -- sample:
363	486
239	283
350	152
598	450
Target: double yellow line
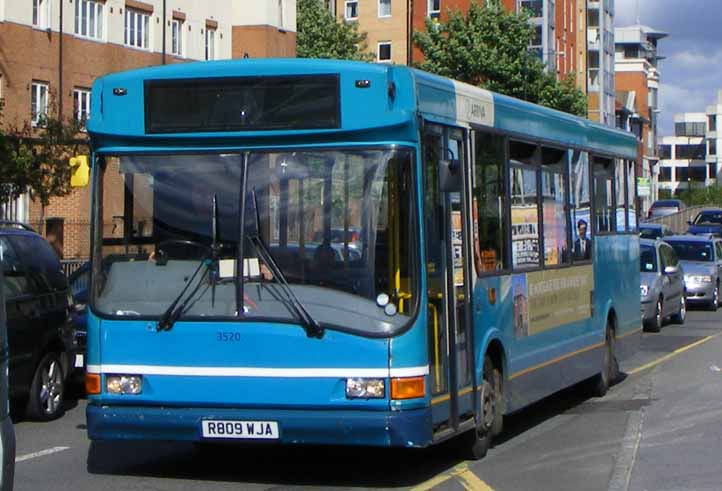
467	478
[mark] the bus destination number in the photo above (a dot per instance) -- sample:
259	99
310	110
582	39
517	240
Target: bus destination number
228	336
265	430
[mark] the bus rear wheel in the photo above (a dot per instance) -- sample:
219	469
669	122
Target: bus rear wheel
601	382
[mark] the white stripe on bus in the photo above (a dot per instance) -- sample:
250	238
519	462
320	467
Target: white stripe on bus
260	372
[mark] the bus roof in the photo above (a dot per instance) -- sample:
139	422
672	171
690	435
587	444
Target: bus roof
374	102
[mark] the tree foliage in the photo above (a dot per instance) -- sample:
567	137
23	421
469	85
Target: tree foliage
320	35
34	160
489	47
701	195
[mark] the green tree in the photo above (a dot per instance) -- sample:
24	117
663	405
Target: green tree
489	47
35	160
320	35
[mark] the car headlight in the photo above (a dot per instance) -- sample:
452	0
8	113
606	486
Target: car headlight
365	388
124	384
644	290
698	279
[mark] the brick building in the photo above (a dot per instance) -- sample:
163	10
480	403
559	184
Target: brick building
53	50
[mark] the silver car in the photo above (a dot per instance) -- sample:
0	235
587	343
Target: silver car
662	285
701	258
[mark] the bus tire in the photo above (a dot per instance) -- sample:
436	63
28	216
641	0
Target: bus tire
475	443
601	382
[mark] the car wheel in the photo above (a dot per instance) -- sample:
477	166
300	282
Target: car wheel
45	402
714	303
655	325
681	314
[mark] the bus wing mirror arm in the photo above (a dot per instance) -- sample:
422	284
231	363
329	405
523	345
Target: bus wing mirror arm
449	176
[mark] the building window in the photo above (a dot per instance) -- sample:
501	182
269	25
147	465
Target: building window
434	8
384	8
39	103
384	52
690	152
689	129
81	99
137	29
41	13
665	174
665	151
177	37
210	44
712	122
89	18
713	147
351	10
698	173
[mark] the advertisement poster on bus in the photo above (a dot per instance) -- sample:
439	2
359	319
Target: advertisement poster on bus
524	236
559	296
520	298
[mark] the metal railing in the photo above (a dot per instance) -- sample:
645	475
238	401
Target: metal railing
678	221
71	265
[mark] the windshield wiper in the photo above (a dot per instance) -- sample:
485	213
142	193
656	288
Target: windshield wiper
174	311
313	328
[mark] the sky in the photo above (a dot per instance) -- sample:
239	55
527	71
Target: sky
691	74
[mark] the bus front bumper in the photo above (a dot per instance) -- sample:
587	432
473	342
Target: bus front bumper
410	428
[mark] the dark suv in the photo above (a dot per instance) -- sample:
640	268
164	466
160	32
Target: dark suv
41	339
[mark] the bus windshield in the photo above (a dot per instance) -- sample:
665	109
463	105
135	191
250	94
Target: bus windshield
339	224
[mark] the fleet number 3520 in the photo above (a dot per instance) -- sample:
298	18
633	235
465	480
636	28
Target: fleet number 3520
228	337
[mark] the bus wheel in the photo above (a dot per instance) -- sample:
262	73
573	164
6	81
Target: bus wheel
476	443
601	382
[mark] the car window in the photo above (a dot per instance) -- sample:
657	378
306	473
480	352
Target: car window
647	259
709	217
672	259
718	246
15	281
43	266
693	250
664	258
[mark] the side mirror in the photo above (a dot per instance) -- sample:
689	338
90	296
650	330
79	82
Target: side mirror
689	222
79	171
671	270
449	176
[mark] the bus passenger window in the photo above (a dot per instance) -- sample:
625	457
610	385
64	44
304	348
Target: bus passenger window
621	193
580	206
603	195
524	218
631	195
554	219
489	204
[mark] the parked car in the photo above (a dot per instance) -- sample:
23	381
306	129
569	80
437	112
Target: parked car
654	230
701	258
707	221
662	286
7	432
664	207
79	282
41	339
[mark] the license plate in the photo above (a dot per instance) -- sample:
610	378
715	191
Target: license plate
78	361
254	430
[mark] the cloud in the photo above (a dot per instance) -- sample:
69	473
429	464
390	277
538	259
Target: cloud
694	59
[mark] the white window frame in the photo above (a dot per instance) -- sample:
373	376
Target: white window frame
431	12
38	102
176	44
381	14
210	44
137	29
345	9
89	19
81	106
41	14
378	51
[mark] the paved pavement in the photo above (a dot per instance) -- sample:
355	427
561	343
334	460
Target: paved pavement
658	429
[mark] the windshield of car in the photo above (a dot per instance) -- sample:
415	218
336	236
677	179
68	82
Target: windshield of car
666	204
709	218
334	221
647	259
650	232
692	251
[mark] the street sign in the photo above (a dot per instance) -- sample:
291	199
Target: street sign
644	188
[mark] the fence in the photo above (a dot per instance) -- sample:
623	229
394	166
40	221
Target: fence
70	266
678	221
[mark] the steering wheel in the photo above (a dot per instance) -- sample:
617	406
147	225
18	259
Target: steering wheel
162	256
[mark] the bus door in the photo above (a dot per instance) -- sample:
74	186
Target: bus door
446	238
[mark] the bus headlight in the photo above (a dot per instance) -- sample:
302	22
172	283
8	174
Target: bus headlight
365	388
124	384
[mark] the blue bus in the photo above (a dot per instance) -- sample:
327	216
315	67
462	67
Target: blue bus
331	252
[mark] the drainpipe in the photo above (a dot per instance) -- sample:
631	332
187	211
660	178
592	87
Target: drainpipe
60	64
410	33
165	22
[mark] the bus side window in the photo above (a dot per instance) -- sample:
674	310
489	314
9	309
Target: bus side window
525	230
621	194
580	207
603	195
489	204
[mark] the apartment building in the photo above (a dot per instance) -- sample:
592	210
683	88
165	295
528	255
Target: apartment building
714	137
683	158
636	67
600	61
389	25
53	50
